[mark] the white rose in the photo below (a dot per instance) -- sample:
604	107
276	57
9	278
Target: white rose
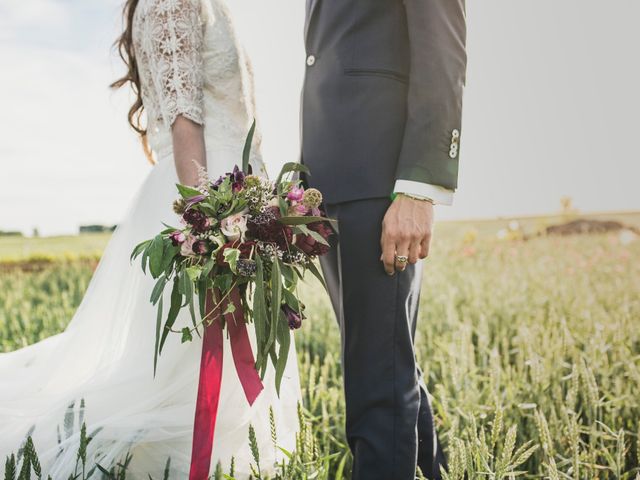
186	248
234	226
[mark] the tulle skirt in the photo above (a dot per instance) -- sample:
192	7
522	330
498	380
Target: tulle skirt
99	371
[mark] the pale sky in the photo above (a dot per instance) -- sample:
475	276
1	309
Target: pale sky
552	107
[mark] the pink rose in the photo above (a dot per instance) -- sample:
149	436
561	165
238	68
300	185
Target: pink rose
234	226
298	210
295	194
186	249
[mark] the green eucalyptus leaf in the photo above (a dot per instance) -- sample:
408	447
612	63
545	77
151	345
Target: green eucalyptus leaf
145	257
139	249
303	220
318	238
169	253
284	207
303	229
202	295
284	341
208	267
287	273
292	167
260	319
311	266
192	312
156	350
273	354
276	300
187	192
158	289
291	300
156	250
246	151
186	287
174	309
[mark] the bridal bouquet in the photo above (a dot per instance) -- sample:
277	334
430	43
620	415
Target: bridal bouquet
244	244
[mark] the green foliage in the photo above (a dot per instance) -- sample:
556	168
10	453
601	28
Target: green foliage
290	168
530	350
246	151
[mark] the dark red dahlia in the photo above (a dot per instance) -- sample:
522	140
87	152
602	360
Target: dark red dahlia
310	245
197	220
266	228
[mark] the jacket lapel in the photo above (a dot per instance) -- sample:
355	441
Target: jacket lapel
311	7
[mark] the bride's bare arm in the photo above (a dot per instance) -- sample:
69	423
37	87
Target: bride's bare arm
188	149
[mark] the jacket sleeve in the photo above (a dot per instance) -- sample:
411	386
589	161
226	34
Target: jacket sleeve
437	37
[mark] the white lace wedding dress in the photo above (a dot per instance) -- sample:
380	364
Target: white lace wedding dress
190	64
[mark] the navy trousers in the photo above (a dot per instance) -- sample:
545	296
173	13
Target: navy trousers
389	421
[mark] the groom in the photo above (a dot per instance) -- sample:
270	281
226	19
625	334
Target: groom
381	113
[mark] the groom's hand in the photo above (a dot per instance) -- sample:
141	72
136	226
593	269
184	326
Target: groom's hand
406	231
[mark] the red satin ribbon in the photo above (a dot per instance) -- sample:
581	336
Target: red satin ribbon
211	377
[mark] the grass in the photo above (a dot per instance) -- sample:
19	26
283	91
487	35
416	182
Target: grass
19	248
531	350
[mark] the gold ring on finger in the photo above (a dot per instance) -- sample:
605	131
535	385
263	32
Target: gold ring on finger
402	259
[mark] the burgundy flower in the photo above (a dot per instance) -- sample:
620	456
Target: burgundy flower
266	228
310	245
200	247
177	238
293	318
237	179
197	220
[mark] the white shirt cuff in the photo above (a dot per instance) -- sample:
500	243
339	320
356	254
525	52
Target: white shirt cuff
440	195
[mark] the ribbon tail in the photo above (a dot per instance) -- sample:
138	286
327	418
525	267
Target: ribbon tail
241	350
208	396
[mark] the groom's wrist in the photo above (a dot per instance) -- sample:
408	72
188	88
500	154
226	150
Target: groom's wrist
437	194
420	198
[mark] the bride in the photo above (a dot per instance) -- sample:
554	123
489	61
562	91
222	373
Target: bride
192	81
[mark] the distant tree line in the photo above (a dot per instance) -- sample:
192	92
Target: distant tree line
9	233
97	228
82	229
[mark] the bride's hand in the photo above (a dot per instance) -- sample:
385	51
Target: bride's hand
188	149
406	232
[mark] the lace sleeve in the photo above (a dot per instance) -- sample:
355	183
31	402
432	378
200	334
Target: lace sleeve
176	59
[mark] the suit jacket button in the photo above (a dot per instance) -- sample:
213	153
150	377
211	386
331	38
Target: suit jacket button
311	60
455	133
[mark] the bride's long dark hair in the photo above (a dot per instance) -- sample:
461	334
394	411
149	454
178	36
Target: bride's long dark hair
124	46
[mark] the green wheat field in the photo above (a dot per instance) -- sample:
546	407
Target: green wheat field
530	346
